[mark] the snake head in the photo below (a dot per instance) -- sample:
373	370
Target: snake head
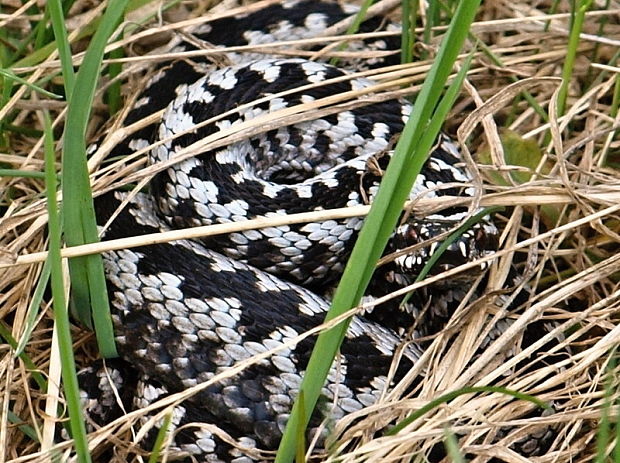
419	237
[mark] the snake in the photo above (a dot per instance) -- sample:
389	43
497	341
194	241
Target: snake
186	312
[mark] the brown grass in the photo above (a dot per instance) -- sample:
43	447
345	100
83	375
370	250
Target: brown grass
563	224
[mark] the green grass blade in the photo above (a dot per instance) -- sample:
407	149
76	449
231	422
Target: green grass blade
61	314
446	103
448	241
27	430
488	52
616	454
7	89
432	20
41	53
5	333
434	126
571	52
62	43
615	102
33	308
11	76
29	132
454	394
159	439
5	51
88	281
406	163
40	34
605	430
300	451
21	173
410	10
452	447
354	27
114	91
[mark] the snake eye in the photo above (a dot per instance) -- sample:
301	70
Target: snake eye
486	239
412	235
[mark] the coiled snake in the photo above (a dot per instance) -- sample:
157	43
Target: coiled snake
187	311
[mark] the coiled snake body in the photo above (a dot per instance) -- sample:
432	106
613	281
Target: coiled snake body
187	311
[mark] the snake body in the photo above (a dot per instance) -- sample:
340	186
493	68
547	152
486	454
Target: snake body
187	311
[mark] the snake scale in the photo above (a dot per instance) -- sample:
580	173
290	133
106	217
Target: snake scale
187	311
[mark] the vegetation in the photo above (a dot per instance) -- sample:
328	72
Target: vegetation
538	107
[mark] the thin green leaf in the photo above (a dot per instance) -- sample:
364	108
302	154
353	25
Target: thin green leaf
21	173
300	451
615	102
452	447
604	426
28	131
432	20
408	158
495	59
114	91
571	52
40	34
27	430
7	89
7	73
87	277
5	333
446	103
354	27
159	440
61	314
454	394
54	7
33	308
410	9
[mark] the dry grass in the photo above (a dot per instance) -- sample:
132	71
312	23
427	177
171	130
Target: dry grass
562	224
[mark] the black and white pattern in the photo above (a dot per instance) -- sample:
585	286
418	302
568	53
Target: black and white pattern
186	311
314	165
